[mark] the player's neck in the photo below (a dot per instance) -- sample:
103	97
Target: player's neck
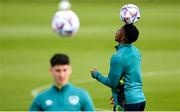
123	42
59	86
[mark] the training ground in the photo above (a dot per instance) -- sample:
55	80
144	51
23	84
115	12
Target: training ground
27	43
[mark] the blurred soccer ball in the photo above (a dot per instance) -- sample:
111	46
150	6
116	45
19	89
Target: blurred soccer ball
129	13
64	5
65	23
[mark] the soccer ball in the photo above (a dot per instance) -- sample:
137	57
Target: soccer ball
65	23
64	5
129	13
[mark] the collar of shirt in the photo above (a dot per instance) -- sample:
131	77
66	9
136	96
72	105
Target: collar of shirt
62	87
121	45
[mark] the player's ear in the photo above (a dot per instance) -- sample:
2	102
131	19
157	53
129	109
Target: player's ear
70	69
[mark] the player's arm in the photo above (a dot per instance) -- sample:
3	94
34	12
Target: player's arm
86	102
116	70
35	106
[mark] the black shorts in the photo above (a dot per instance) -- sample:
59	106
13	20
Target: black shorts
135	107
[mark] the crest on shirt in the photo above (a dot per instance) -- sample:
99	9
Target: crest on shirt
49	102
73	100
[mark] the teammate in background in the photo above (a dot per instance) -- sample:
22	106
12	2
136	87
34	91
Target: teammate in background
62	96
124	77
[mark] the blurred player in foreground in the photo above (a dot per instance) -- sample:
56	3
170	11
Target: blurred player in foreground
124	77
62	96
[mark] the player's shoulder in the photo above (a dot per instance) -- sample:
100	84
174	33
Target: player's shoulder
77	89
44	93
122	49
116	57
135	50
129	50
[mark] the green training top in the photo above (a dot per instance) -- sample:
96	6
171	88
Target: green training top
68	98
126	62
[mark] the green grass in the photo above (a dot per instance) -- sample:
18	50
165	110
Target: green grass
27	43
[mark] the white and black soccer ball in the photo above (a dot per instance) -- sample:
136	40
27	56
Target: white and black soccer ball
65	23
129	13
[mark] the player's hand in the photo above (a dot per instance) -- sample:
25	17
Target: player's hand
94	73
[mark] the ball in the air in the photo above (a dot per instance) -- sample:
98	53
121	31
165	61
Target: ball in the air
65	23
129	13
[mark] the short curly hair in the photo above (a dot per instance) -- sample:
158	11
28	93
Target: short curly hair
59	59
132	32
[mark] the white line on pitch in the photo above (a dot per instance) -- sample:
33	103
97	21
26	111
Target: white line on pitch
35	91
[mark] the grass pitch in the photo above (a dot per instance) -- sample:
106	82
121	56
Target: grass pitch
27	43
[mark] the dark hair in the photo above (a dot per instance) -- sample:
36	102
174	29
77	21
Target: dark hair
59	59
132	32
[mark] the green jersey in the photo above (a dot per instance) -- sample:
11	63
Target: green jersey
125	62
68	98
